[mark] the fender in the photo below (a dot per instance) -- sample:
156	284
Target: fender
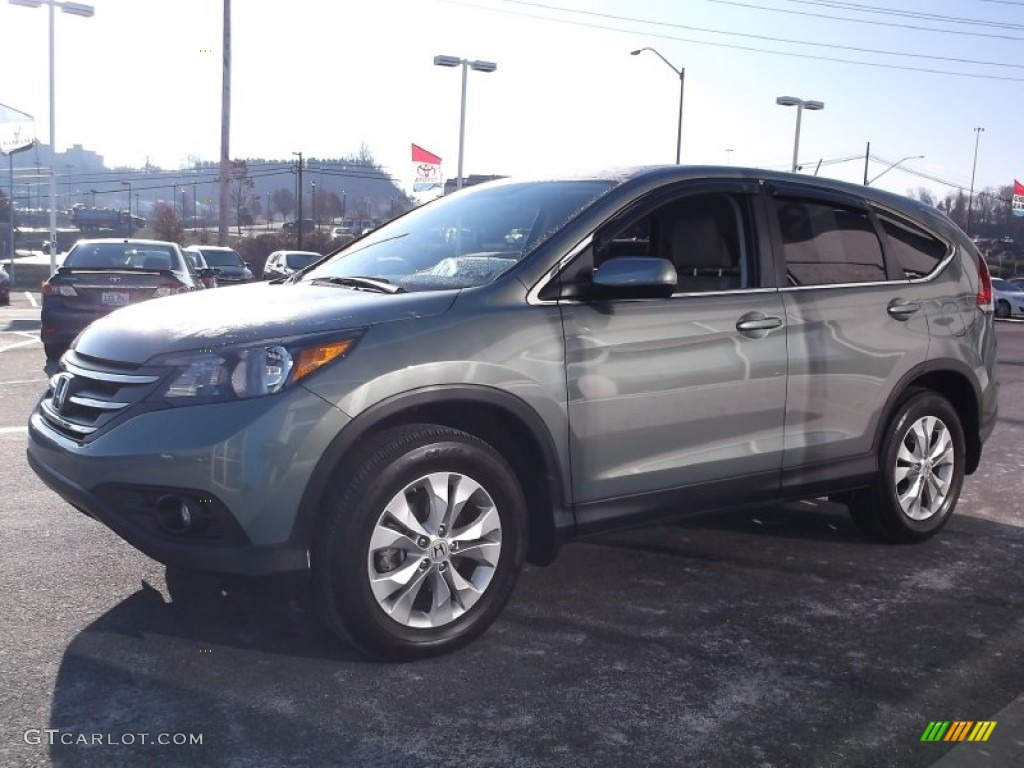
384	411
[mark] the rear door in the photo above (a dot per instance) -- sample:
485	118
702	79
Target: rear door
855	327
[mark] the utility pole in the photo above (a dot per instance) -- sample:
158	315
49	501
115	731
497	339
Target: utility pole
225	128
867	155
298	217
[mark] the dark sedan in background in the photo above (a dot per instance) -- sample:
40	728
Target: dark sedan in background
98	276
5	287
207	275
231	269
286	263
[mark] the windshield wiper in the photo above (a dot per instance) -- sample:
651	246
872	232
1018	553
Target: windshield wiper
379	284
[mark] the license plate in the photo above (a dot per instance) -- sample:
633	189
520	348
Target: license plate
115	298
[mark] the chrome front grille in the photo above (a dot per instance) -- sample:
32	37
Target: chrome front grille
86	395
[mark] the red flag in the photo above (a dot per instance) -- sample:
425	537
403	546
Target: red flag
1018	188
420	155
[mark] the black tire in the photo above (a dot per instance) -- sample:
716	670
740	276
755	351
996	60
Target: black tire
877	510
389	465
54	351
1002	309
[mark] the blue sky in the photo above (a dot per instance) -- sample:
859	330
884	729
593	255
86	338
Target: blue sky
142	79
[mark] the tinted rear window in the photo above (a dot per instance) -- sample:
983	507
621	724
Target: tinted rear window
123	256
301	260
826	243
222	258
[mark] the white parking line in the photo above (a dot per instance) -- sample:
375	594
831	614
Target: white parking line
31	299
13	430
19	344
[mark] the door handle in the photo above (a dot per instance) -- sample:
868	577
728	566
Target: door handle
902	310
745	324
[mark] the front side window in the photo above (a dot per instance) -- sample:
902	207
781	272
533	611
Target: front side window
916	253
706	237
826	243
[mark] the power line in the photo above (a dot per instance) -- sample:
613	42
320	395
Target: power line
763	37
731	46
861	8
865	21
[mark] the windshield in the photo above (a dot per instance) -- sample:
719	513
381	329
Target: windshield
222	259
123	256
301	260
463	240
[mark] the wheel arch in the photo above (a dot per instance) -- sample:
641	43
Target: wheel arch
952	380
498	418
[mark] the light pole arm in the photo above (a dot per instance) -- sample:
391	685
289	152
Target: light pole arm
671	66
901	160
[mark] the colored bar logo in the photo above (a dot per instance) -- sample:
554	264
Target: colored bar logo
958	730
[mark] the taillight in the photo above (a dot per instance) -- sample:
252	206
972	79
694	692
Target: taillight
167	290
984	285
49	289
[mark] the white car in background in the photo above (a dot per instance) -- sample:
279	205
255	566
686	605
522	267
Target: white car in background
1008	298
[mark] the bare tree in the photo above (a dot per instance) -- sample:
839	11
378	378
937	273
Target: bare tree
284	201
166	224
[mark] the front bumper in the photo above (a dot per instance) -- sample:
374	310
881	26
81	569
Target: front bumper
251	460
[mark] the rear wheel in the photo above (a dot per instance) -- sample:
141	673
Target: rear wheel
423	544
921	471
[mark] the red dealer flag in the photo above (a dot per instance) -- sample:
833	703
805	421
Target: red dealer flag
420	155
426	170
1018	198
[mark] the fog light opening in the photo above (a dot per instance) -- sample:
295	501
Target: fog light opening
175	514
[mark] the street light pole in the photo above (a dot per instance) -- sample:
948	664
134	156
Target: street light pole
131	222
681	72
298	218
75	9
466	64
316	220
970	200
801	105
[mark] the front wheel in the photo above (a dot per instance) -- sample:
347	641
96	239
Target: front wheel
921	471
422	545
1002	309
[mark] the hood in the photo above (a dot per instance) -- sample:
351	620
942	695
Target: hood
246	313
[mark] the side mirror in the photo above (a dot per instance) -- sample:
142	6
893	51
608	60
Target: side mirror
635	277
207	272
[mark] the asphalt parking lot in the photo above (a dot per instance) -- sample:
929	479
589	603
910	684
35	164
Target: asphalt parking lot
773	637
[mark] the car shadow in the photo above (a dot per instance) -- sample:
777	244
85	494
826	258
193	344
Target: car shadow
682	644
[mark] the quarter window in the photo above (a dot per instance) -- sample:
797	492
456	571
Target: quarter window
917	253
825	243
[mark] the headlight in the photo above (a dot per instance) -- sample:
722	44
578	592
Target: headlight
237	373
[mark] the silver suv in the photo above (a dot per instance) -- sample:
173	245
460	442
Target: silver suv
527	362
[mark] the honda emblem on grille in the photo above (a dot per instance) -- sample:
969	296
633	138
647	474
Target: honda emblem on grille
115	279
61	384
